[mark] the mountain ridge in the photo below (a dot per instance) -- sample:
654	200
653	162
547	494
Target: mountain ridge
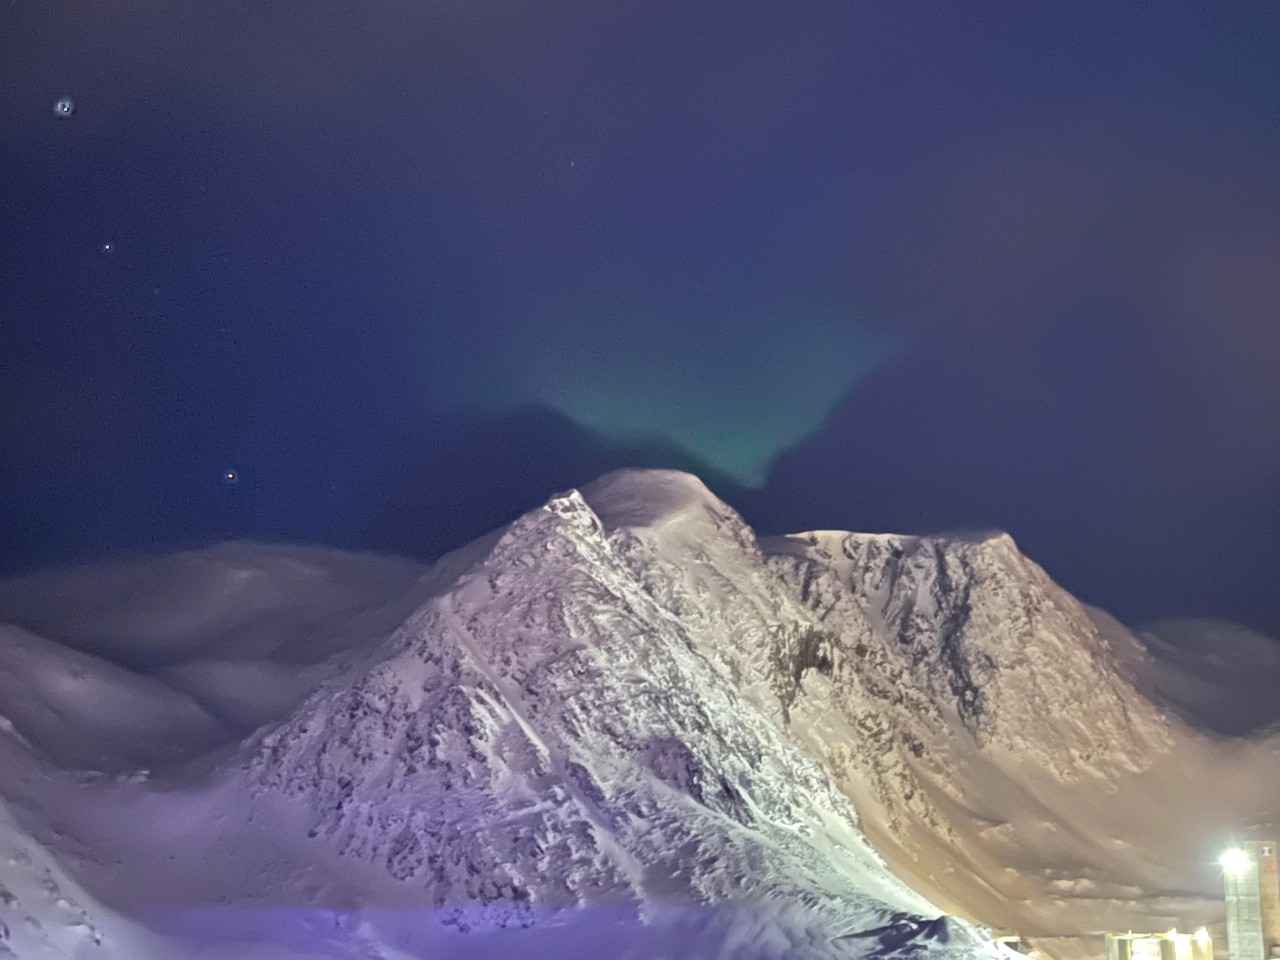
625	705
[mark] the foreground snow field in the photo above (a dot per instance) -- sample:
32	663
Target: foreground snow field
621	726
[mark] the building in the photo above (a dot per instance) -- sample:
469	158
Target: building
1253	901
1013	942
1160	946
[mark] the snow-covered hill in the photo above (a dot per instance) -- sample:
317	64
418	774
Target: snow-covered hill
1218	676
620	726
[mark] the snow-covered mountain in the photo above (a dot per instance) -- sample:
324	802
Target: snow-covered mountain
1024	779
621	726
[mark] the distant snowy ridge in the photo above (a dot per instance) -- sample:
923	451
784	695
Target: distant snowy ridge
1219	676
620	724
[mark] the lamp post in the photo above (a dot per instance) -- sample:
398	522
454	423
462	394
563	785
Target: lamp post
1253	901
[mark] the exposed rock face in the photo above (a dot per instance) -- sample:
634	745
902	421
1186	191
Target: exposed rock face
549	731
985	635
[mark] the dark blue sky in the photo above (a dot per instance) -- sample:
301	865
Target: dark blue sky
407	267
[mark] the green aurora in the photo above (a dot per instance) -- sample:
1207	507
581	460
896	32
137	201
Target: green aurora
731	387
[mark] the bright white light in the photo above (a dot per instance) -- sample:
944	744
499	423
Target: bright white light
1202	936
1235	862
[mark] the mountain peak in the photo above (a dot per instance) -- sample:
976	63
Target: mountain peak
844	549
648	498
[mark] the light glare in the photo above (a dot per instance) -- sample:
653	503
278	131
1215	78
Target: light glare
1235	862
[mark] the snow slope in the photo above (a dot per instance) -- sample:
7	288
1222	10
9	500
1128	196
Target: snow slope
44	913
620	726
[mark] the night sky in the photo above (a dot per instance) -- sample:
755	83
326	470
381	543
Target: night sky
385	275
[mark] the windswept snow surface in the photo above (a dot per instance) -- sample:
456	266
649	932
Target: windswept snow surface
620	727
